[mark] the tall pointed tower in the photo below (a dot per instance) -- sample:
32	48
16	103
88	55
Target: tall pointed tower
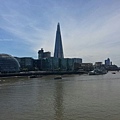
58	51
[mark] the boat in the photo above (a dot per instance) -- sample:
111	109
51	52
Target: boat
58	77
113	72
33	76
98	72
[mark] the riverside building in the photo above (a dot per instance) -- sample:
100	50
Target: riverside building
8	64
42	54
58	52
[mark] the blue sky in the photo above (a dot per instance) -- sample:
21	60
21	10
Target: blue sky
90	28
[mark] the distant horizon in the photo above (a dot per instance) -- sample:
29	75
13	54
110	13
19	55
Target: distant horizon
89	28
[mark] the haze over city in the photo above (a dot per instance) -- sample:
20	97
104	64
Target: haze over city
89	28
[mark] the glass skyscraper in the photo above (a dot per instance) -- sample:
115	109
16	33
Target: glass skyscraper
58	51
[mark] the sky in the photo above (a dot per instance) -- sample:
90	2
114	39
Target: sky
90	29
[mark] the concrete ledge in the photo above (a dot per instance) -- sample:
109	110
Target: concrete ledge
40	73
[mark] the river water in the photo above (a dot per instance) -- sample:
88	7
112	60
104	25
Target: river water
74	97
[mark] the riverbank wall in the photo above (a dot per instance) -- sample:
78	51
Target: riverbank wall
40	73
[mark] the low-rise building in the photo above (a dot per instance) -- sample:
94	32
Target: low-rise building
70	64
26	63
98	64
63	64
87	66
52	64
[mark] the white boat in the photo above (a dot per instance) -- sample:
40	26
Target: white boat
97	72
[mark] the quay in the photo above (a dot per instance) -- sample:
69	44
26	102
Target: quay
40	73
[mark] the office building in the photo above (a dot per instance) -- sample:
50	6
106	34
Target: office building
8	64
108	62
58	51
26	63
42	54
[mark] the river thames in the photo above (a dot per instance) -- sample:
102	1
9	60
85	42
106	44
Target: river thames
74	97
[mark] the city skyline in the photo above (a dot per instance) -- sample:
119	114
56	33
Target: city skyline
90	29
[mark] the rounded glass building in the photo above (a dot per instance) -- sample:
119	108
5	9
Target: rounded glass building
8	64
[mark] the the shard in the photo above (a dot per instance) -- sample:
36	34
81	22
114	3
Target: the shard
58	51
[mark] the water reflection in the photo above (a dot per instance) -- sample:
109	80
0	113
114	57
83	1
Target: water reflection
58	104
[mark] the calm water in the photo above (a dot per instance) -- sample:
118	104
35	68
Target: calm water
75	97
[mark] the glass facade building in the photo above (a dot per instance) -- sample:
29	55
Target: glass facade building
8	64
58	52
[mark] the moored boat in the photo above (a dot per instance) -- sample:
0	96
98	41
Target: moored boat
33	76
97	72
113	72
58	77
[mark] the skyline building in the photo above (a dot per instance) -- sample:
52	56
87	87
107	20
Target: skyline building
58	51
108	62
42	54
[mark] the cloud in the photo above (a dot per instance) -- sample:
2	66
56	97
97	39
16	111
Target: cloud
89	29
